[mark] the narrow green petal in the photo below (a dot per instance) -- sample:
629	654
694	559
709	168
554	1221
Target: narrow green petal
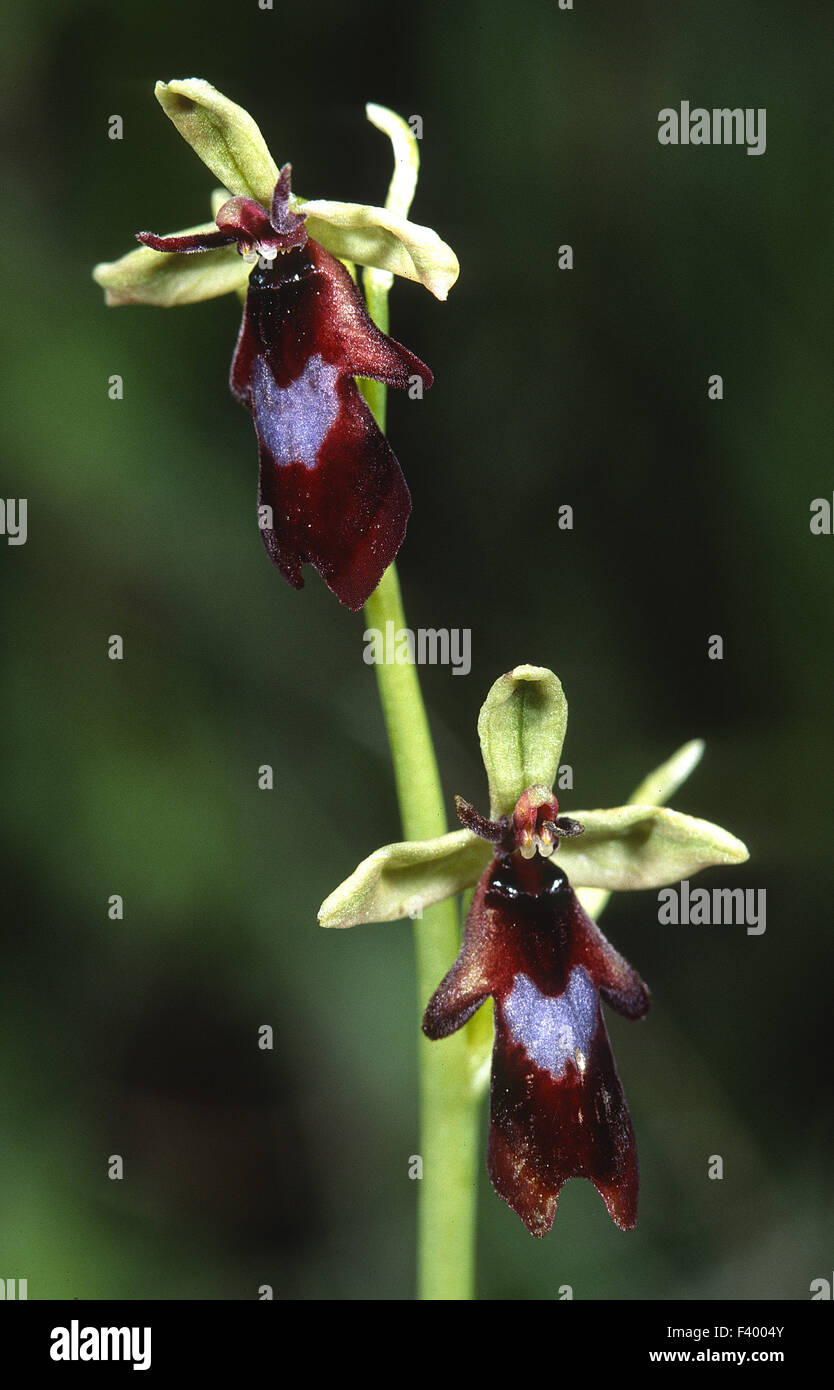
655	790
522	728
222	134
166	279
644	847
400	880
376	237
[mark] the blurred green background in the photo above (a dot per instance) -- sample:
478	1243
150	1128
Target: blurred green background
139	1037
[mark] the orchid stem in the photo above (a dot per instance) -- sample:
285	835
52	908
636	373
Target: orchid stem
449	1103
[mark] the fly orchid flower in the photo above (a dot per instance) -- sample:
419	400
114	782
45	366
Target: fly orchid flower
331	493
557	1108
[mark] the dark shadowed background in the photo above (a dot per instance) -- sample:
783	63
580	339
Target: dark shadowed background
139	777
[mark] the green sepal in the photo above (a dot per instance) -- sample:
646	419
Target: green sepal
654	790
660	785
224	136
406	150
403	183
376	237
145	276
522	728
633	847
402	879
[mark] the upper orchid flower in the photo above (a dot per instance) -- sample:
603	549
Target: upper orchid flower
557	1107
331	491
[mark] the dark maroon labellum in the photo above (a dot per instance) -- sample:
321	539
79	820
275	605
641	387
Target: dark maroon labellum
557	1109
331	492
337	495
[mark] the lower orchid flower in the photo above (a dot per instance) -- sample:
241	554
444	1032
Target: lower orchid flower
331	493
557	1108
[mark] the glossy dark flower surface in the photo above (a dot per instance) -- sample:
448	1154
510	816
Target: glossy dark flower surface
557	1108
331	492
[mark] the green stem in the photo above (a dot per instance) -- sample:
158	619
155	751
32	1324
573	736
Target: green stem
449	1102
